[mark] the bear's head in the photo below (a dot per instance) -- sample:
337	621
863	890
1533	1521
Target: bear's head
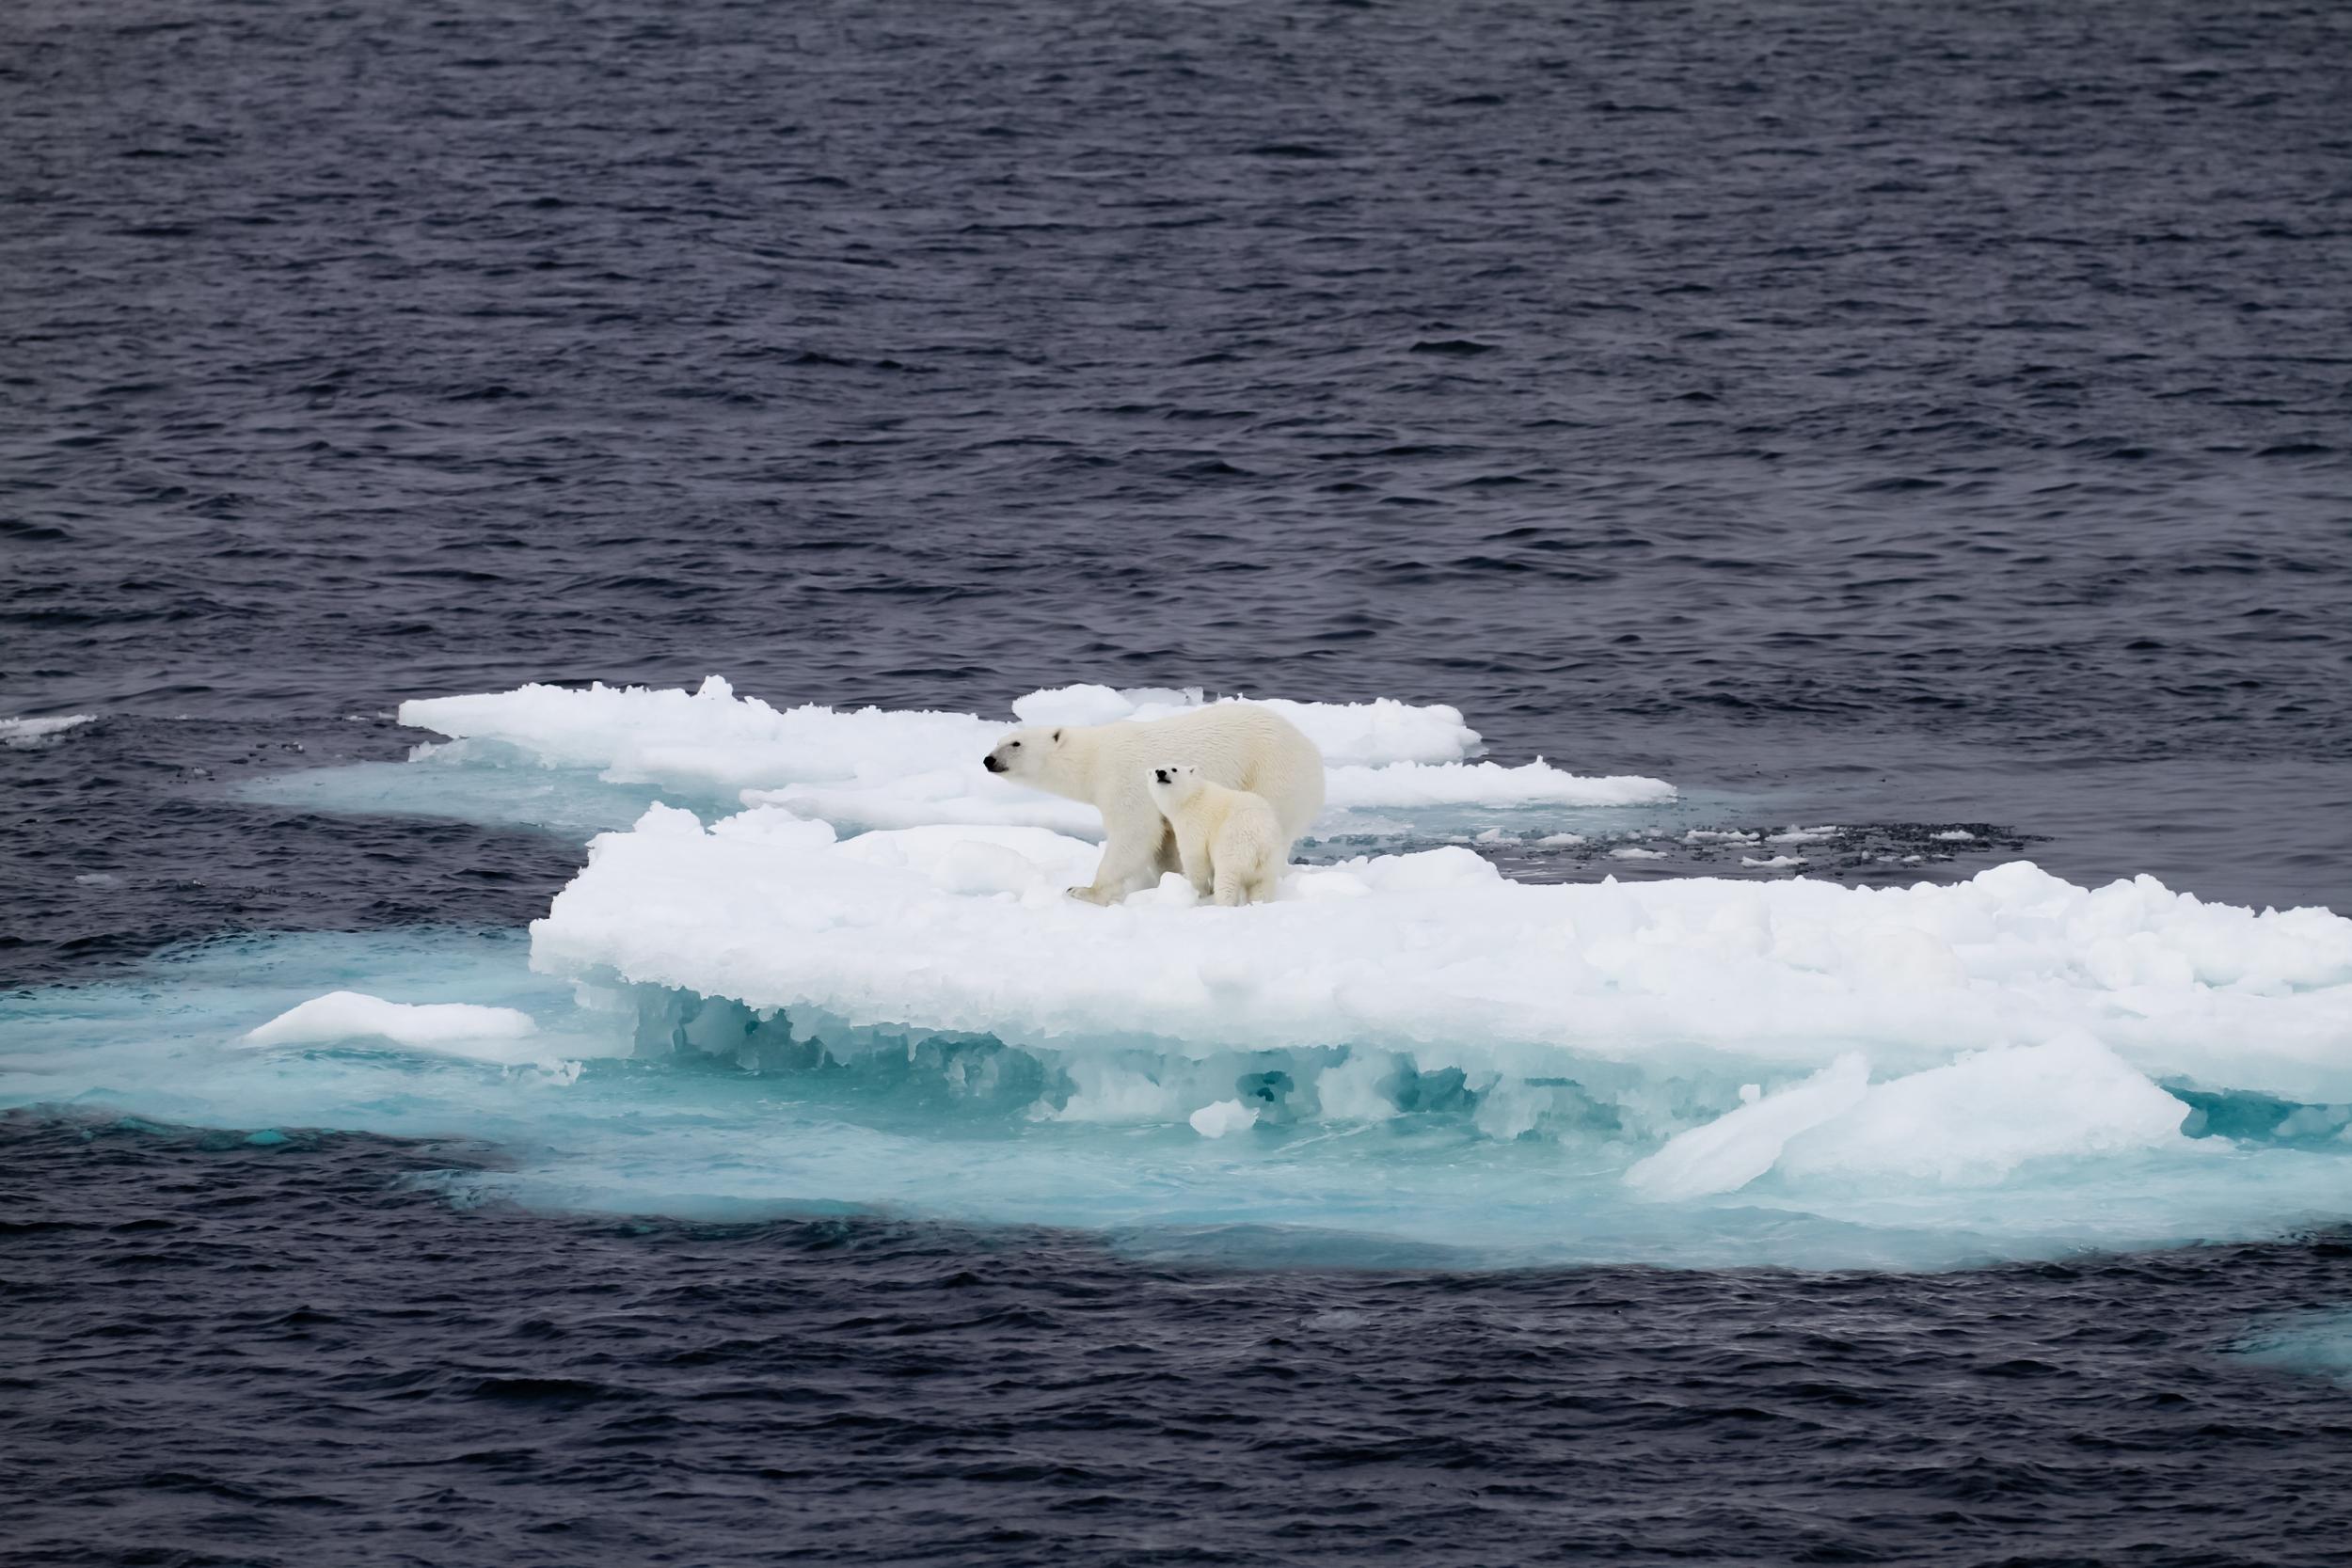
1024	753
1173	783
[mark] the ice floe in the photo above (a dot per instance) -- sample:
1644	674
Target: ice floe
1436	953
875	768
850	975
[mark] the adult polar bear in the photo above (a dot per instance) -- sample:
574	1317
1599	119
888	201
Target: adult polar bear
1239	745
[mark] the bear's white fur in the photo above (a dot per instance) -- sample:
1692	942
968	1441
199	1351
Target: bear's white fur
1229	841
1239	745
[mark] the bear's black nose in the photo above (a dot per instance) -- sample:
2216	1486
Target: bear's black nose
991	763
1160	773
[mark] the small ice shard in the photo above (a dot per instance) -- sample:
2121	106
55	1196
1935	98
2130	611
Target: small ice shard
1794	834
1225	1115
1776	863
1635	852
350	1015
1956	835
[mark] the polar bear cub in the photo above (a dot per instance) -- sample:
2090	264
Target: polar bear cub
1239	745
1229	841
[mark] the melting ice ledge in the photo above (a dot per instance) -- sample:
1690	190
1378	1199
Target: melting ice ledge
1947	1034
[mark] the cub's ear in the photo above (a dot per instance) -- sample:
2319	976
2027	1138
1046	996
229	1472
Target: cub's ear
1057	737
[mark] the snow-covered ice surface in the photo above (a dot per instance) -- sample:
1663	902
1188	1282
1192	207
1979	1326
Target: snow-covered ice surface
849	976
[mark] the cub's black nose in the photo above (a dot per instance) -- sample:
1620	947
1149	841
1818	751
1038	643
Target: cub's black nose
991	763
1160	773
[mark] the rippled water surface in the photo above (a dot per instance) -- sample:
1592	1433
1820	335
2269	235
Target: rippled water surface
1884	415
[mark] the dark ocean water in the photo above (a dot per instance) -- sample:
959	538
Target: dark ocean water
1899	415
207	1366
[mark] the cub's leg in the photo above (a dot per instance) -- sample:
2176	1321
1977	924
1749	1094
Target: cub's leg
1247	867
1198	870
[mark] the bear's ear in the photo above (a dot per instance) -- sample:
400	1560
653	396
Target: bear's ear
1057	737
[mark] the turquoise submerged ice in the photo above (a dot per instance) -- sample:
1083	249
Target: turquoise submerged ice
753	1007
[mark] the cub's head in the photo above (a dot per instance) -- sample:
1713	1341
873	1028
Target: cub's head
1023	755
1173	783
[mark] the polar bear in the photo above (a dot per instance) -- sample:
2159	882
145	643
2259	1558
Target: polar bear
1239	745
1230	844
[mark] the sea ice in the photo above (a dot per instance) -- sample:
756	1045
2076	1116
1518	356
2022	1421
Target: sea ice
872	768
348	1015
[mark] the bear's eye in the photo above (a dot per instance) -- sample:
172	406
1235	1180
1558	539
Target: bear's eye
1016	745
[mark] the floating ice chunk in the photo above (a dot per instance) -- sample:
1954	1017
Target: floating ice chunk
1635	852
1713	835
1973	1121
1981	1117
1776	863
349	1015
24	733
1736	1148
1560	840
1955	835
1225	1115
1794	834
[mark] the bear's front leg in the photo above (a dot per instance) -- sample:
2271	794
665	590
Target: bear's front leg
1124	869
